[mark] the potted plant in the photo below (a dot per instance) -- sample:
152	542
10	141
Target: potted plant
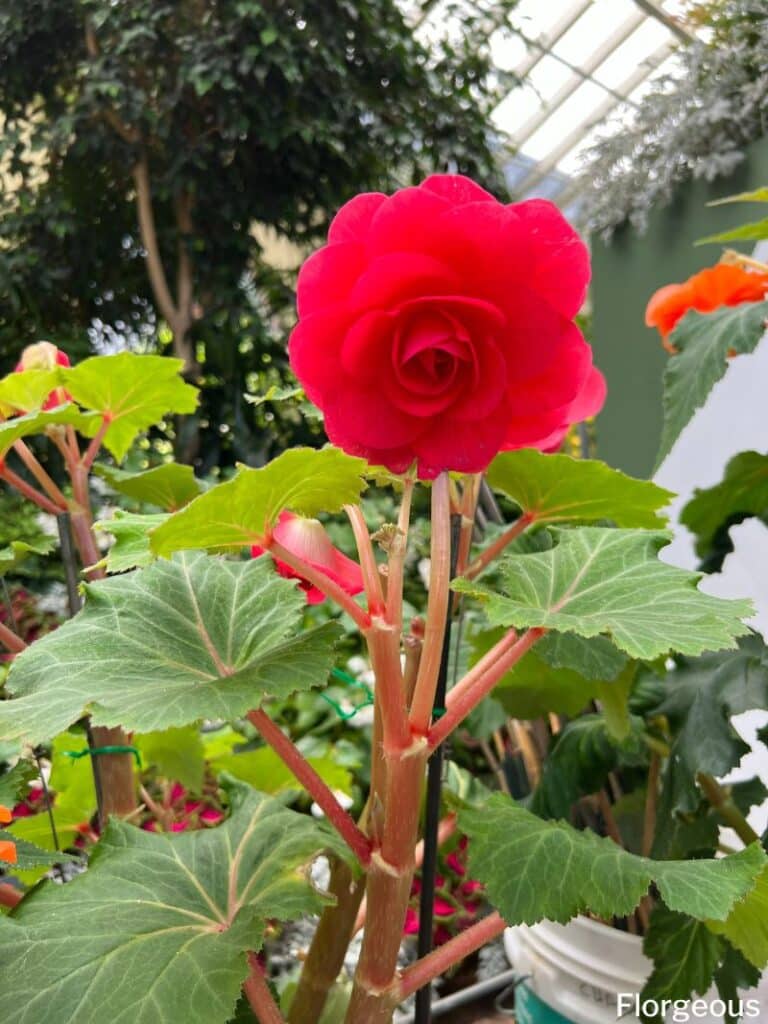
436	335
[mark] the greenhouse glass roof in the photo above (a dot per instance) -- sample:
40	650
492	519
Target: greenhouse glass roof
582	64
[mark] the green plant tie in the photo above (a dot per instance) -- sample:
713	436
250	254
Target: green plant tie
353	684
117	749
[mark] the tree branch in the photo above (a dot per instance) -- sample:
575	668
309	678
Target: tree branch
148	232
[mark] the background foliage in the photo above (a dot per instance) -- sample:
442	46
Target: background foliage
199	119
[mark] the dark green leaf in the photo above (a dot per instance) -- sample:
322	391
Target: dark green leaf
742	492
685	955
158	928
535	869
703	341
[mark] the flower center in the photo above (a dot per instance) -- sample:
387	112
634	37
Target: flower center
431	350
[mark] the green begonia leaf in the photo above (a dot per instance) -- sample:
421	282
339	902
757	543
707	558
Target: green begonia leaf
559	488
135	391
169	487
579	762
702	695
595	658
157	930
195	637
735	972
746	927
38	422
27	391
131	530
28	855
684	952
176	754
534	869
19	551
264	770
603	581
15	782
751	232
533	688
240	512
704	341
742	492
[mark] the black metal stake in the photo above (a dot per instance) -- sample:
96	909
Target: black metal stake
423	1013
72	572
69	560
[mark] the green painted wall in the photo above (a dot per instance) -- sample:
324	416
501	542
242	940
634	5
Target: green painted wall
626	272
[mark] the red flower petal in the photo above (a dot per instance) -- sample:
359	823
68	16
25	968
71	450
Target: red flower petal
456	188
561	260
352	221
328	276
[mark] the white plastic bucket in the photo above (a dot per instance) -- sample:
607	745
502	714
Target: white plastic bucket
574	973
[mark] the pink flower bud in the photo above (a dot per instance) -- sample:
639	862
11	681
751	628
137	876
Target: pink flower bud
309	541
45	356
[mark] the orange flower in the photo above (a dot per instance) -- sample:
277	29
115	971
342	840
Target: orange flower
7	852
722	285
7	849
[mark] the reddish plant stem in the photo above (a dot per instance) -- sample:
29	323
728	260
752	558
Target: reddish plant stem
29	492
452	952
481	667
11	640
49	486
396	564
95	446
468	506
318	790
485	557
9	896
437	606
325	958
461	706
321	581
388	889
257	992
371	576
446	829
383	642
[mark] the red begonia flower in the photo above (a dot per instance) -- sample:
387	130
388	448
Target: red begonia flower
722	285
45	356
309	541
437	325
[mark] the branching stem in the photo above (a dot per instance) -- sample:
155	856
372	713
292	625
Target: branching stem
318	579
288	753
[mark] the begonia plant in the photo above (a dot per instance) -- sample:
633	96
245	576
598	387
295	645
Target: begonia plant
436	335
